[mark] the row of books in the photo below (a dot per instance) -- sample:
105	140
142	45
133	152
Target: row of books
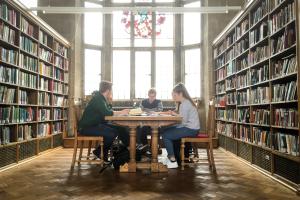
25	132
44	84
46	70
58	88
57	114
260	74
23	97
282	17
286	117
230	130
28	62
43	38
242	63
58	100
259	33
26	27
9	55
261	116
221	74
220	114
45	55
286	143
8	75
284	67
242	28
243	97
231	68
230	83
261	137
58	74
220	100
220	61
243	133
28	45
286	40
14	114
60	49
220	127
44	129
241	46
5	132
57	127
220	88
7	34
27	80
258	54
7	95
231	98
243	115
229	54
260	12
284	92
230	39
230	114
243	80
44	99
260	95
44	114
8	14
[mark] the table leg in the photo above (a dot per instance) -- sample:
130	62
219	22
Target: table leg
155	166
132	162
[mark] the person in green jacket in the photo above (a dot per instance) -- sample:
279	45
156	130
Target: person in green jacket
92	122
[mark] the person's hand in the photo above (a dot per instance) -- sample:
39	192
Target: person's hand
124	112
173	113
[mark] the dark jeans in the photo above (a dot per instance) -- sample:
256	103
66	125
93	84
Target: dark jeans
108	132
142	133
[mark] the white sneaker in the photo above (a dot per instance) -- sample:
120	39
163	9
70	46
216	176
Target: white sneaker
171	165
163	160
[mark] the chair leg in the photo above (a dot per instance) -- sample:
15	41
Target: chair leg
208	155
182	154
89	150
80	152
74	153
101	152
212	155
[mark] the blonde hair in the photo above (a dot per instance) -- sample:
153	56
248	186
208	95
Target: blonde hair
152	91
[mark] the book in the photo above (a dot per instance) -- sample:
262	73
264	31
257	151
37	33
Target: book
57	127
7	34
44	129
286	143
26	27
243	97
25	132
5	132
242	63
243	79
261	137
44	84
260	74
9	56
230	83
285	117
230	130
44	98
220	61
27	80
261	116
8	14
43	38
241	46
58	74
220	88
242	28
220	127
284	92
258	34
57	114
58	100
221	74
284	41
60	49
243	115
45	55
28	45
284	67
260	12
230	115
9	75
229	54
260	95
258	54
28	62
244	133
44	114
231	98
7	94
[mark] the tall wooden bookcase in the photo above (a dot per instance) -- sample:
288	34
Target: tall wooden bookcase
256	66
33	84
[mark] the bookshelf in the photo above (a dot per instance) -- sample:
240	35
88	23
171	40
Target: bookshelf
34	68
256	63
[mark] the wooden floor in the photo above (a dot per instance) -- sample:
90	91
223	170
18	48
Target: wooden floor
50	177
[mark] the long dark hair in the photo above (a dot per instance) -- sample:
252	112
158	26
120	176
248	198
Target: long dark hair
180	88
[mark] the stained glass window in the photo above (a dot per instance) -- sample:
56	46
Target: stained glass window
121	33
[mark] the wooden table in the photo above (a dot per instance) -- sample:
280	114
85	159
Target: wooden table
154	122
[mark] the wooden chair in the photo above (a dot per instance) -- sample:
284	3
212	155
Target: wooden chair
79	142
202	137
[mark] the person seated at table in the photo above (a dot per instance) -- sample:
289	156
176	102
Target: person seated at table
189	126
92	122
149	105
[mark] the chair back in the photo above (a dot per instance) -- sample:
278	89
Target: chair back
210	122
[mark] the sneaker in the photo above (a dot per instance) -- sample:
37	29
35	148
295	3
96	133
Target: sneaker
172	164
163	160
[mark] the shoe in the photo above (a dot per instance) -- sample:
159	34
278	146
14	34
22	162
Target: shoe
97	152
163	160
172	164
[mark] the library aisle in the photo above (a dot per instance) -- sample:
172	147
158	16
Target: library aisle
49	177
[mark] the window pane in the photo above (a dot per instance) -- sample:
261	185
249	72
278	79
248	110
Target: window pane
93	26
121	1
142	73
191	25
166	30
121	29
29	4
143	29
121	74
164	74
192	72
92	70
163	1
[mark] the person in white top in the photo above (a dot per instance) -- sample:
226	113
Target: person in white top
190	122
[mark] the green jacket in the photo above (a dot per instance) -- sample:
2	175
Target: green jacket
95	112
